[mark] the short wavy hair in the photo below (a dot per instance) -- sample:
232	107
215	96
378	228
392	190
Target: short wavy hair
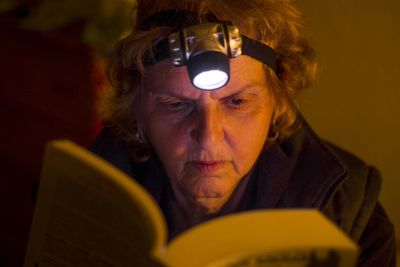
277	23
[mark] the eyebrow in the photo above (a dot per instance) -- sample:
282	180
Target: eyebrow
157	95
246	88
251	85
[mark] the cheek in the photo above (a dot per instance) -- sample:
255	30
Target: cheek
249	139
171	146
168	140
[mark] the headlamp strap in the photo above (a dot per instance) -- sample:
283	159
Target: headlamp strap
259	51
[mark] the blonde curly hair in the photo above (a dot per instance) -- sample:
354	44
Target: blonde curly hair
277	23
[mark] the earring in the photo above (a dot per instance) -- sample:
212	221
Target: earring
139	137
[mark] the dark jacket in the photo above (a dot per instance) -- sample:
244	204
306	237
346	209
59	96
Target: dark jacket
302	172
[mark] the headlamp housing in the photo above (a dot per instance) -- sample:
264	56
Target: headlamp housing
205	49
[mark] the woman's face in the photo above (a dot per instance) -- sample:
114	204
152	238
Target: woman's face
207	140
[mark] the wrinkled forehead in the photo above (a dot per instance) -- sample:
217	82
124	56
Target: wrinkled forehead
165	77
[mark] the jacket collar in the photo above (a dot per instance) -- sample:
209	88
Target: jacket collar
300	172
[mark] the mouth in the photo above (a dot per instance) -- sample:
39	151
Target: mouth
208	167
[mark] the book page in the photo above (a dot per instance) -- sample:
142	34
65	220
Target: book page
264	238
294	257
90	214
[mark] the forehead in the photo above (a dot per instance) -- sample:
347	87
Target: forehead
164	78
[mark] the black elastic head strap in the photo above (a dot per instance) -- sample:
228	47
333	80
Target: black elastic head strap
259	51
178	19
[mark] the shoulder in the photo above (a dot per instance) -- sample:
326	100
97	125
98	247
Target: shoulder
354	187
378	241
354	207
358	170
108	146
354	202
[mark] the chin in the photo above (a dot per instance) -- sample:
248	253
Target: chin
209	188
209	198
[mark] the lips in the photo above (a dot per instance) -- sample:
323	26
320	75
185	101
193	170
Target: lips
207	167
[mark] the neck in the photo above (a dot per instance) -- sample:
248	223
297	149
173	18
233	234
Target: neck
197	210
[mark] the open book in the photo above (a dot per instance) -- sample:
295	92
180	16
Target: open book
88	213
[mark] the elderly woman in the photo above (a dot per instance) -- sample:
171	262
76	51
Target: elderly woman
233	141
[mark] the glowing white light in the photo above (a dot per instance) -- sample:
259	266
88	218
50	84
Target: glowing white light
209	80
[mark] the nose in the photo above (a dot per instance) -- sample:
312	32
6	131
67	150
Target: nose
208	128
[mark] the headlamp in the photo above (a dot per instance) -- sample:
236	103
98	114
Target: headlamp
205	48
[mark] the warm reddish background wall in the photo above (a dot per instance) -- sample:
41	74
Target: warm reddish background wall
356	102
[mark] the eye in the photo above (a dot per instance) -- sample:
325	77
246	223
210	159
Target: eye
236	102
175	105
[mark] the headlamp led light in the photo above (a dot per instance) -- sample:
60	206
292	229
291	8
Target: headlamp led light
205	48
